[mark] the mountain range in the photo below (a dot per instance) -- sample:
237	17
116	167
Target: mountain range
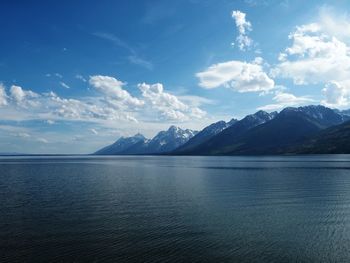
163	142
294	130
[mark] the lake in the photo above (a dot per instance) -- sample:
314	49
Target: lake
175	209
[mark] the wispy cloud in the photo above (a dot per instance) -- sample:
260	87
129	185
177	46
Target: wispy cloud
25	135
64	85
254	3
141	62
94	131
133	58
42	140
283	99
58	75
115	40
21	135
80	77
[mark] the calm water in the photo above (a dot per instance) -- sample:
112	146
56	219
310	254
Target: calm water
175	209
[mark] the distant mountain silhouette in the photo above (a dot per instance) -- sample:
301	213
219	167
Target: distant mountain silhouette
288	127
335	139
218	143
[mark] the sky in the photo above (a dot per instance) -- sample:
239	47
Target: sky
77	75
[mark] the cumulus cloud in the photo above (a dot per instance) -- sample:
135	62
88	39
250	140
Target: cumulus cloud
283	99
110	106
318	56
24	104
243	26
88	110
22	97
167	105
17	93
238	75
314	57
336	95
113	88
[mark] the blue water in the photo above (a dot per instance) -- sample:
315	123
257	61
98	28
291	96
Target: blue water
175	209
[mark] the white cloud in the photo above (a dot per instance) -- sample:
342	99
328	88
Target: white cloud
314	57
243	27
113	88
27	105
112	107
156	96
3	96
333	23
113	103
336	95
238	75
283	99
22	97
64	85
167	105
87	110
58	75
320	54
17	93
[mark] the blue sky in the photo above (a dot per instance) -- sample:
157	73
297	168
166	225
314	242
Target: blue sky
76	75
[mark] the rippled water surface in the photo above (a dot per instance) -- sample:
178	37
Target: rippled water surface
175	209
